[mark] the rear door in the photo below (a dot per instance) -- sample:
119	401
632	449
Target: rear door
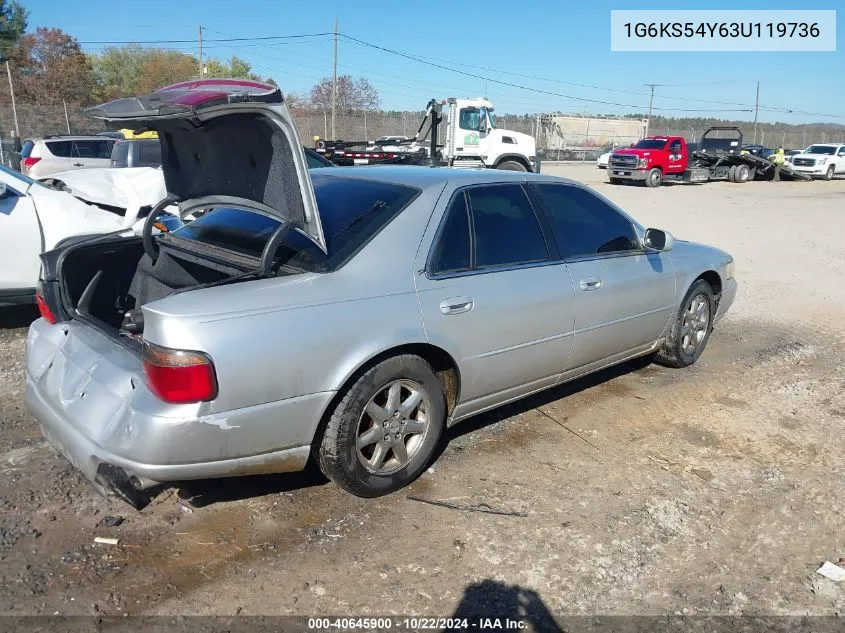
494	293
624	296
91	153
20	240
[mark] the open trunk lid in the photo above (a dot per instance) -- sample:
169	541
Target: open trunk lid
226	142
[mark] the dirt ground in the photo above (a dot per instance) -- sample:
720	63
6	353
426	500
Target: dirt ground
716	489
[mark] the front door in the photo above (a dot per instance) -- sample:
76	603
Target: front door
624	296
495	295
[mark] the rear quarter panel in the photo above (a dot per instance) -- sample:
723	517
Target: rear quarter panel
281	338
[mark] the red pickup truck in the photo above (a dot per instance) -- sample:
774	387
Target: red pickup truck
651	160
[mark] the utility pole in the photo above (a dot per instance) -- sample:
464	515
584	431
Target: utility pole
650	103
12	92
200	43
756	108
67	119
334	82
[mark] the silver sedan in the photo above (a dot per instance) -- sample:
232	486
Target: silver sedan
348	320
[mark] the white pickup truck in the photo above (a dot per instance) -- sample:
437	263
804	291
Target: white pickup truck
822	160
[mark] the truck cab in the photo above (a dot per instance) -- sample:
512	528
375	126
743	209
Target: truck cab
473	140
650	160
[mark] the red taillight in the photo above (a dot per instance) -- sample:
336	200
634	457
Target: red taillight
179	376
43	308
29	162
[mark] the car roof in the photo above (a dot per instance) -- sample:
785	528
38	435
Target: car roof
425	177
65	137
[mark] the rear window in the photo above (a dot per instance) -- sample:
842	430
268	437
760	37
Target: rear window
26	150
352	212
91	149
61	149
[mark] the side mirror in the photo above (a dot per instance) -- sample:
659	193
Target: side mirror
657	240
482	125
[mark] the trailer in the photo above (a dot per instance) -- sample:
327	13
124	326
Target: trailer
472	141
719	156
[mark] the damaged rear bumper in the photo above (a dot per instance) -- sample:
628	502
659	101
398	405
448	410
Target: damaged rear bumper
88	395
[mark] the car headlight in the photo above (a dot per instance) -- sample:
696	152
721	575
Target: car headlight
729	269
643	162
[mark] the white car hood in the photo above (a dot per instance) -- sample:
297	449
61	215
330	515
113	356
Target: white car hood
130	188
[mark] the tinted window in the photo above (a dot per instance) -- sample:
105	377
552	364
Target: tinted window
675	147
91	149
453	250
352	212
26	150
315	160
821	149
584	224
505	227
120	154
149	154
60	148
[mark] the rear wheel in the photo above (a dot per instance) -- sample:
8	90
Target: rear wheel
828	175
511	165
654	178
690	329
383	432
741	173
732	174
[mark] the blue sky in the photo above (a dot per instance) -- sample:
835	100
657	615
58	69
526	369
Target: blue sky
561	43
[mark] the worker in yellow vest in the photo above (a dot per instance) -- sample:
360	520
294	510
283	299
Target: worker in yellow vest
778	159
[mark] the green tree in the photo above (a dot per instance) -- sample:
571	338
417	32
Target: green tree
13	20
118	71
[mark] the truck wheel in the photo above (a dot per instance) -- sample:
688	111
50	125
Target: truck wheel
732	174
614	181
511	165
828	175
654	178
741	173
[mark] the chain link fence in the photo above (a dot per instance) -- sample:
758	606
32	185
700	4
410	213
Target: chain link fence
39	121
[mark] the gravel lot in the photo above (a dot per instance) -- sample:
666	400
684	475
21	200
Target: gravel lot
643	490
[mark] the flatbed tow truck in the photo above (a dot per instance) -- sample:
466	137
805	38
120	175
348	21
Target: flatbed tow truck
658	159
472	141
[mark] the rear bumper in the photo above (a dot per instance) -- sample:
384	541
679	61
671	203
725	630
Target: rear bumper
627	174
727	299
88	395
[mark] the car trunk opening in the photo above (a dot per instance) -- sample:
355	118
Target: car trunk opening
105	283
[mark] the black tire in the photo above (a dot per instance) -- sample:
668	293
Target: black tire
732	173
654	178
741	174
828	175
511	165
338	455
673	352
614	181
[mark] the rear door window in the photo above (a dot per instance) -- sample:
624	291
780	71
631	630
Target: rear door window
91	149
61	149
505	227
454	249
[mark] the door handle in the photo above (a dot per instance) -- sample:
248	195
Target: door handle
456	305
590	283
79	165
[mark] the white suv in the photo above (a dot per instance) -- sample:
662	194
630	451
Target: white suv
823	160
53	154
